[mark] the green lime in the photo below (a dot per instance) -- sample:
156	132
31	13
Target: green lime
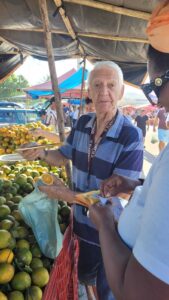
40	277
15	295
24	256
21	281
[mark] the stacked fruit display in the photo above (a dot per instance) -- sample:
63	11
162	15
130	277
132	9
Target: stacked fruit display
24	270
11	137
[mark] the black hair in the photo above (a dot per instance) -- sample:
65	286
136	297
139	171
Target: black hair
42	113
52	100
159	59
88	100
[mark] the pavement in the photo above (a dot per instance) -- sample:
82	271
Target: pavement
150	151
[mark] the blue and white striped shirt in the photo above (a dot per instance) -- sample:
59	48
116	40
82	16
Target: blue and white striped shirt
120	151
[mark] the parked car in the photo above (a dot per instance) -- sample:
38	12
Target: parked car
41	106
18	116
10	104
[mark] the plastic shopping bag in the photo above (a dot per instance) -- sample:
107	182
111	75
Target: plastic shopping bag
40	213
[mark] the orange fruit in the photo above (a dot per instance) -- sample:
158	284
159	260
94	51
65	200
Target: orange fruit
3	296
47	179
6	255
6	272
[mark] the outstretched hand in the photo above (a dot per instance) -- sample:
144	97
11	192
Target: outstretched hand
31	154
117	184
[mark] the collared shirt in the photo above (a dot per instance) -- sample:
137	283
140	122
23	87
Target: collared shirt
120	151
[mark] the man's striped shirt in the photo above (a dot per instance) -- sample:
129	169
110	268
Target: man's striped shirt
120	151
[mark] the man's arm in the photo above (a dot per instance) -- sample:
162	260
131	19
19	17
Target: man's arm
53	137
52	157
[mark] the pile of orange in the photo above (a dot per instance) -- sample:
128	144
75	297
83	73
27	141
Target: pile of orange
13	136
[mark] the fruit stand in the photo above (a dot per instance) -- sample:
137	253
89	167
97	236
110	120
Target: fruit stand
24	270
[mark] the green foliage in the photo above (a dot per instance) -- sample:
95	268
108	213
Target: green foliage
12	85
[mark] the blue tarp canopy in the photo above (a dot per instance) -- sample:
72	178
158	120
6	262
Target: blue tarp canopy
68	84
76	101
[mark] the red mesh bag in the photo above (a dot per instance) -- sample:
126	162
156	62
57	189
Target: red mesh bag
63	282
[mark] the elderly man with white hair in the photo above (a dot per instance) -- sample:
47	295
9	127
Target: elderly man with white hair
99	145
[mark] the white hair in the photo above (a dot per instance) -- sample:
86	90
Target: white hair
107	64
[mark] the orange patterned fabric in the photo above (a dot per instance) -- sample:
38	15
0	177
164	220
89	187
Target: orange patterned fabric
158	27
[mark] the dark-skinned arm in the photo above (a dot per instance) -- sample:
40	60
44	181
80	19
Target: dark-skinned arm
126	277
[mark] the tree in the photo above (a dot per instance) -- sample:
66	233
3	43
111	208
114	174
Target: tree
12	86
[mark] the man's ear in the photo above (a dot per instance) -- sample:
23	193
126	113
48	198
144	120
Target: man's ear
121	92
89	93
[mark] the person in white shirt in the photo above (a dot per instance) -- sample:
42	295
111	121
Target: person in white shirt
136	253
75	114
51	115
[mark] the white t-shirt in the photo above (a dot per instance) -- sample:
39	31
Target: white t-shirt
75	114
51	118
144	223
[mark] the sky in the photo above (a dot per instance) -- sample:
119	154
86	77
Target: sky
37	71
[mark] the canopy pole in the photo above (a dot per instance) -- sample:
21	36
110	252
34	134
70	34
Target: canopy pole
82	87
53	75
112	8
52	68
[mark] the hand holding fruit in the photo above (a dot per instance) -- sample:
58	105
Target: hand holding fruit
57	190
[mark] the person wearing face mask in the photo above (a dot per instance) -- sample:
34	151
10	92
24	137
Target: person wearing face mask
136	252
100	144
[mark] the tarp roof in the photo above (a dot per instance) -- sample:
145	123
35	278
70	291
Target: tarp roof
100	30
69	86
47	86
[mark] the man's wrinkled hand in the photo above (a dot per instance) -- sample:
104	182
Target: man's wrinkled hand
57	191
31	154
53	191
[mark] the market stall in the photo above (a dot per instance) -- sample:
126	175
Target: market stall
69	86
53	30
